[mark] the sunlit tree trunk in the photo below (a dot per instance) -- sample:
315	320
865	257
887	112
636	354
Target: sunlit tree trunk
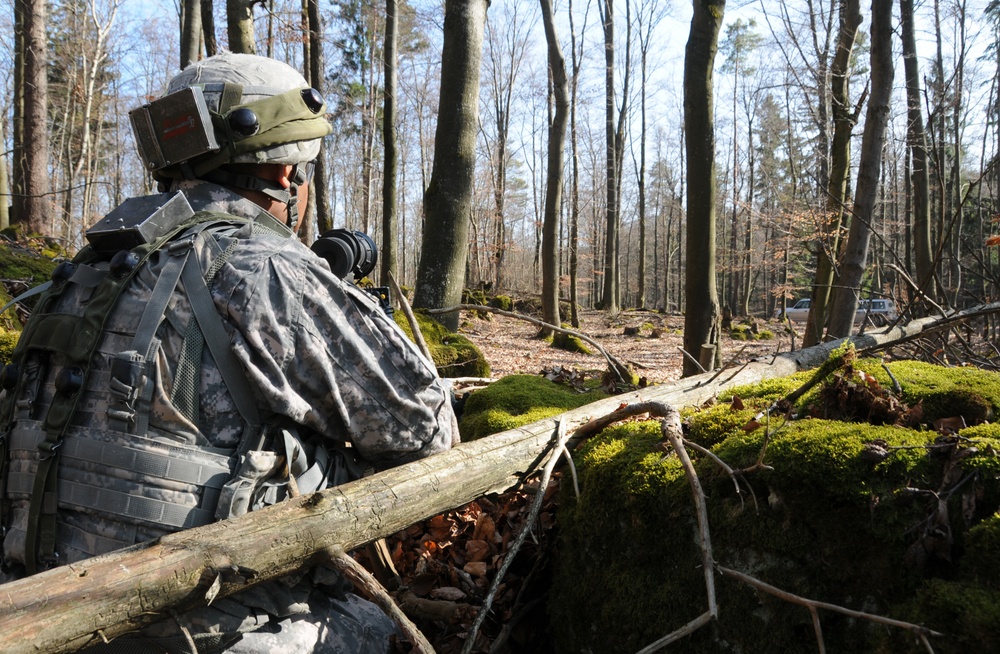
702	317
448	198
855	259
36	208
208	28
917	143
316	67
610	299
844	119
554	177
239	18
389	139
191	31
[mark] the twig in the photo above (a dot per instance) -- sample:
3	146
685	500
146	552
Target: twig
728	364
811	604
687	355
559	441
373	590
725	466
686	630
404	304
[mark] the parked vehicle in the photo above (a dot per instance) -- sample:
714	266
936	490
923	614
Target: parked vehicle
798	312
879	312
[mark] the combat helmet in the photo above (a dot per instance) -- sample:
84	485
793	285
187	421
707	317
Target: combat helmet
231	108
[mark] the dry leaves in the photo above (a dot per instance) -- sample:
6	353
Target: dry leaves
448	562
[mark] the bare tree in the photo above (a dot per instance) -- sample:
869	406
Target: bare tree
191	31
448	198
855	258
844	118
239	18
702	317
916	138
208	28
35	207
554	179
389	140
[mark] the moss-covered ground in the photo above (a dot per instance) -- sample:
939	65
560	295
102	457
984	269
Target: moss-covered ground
899	521
454	355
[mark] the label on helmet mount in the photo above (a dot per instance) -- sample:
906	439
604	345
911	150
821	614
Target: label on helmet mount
173	129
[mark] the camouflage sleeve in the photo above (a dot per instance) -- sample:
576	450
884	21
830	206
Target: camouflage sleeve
323	353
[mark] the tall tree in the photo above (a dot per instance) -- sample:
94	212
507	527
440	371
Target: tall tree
844	118
916	140
315	67
448	198
239	20
702	319
554	178
855	259
35	208
191	31
574	216
611	300
208	27
389	140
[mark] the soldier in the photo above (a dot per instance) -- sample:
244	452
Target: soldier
196	361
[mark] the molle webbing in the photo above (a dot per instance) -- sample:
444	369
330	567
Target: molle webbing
75	339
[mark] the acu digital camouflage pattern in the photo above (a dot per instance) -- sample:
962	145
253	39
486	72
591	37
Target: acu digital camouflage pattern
320	356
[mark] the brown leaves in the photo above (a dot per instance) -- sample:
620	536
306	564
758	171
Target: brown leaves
453	558
855	396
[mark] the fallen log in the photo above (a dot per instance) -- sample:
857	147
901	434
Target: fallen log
67	608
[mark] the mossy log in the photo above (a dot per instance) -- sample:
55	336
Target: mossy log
67	608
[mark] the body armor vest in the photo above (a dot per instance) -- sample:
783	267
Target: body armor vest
87	464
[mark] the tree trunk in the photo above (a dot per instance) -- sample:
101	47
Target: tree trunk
554	178
610	299
239	18
846	298
69	607
917	142
37	204
208	28
191	31
701	319
844	119
448	198
574	216
4	190
319	188
389	138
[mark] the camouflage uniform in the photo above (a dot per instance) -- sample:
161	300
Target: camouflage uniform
322	359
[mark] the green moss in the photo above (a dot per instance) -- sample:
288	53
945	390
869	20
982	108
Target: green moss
569	343
518	400
741	333
8	340
502	302
833	517
454	355
765	335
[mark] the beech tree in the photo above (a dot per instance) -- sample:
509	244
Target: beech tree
702	319
448	198
855	259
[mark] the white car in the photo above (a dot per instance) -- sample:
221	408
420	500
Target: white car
880	312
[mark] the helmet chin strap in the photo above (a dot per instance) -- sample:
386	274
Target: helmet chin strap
287	196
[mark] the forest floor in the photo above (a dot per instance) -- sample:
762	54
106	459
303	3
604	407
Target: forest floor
511	346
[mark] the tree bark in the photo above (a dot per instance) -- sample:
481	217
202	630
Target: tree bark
610	299
239	20
191	31
855	259
448	198
702	322
324	220
844	119
916	138
66	608
37	204
208	27
554	179
389	139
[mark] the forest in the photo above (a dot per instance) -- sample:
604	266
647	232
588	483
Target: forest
680	166
791	88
